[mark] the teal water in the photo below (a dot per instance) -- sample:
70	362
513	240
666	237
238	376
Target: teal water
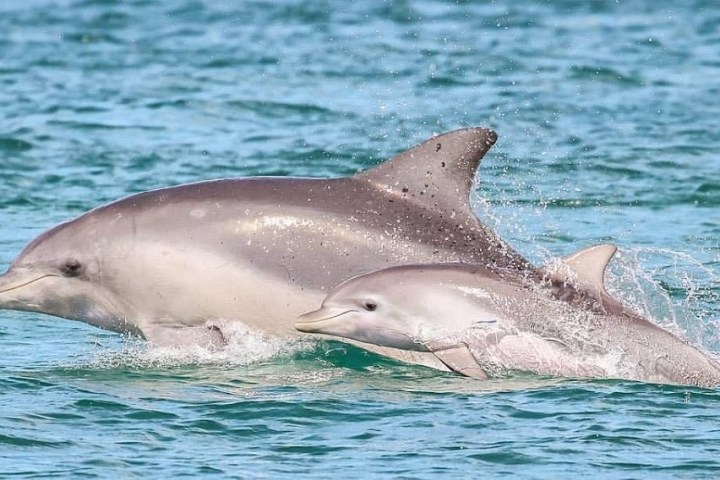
607	115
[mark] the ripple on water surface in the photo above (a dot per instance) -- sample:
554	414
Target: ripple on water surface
607	118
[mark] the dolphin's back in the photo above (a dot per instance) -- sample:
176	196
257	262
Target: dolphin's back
414	208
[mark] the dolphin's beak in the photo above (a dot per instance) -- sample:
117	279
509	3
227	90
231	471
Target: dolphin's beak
12	282
315	321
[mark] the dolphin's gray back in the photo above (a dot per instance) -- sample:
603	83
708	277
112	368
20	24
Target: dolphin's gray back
316	232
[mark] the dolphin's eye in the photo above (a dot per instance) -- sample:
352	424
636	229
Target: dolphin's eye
71	268
370	306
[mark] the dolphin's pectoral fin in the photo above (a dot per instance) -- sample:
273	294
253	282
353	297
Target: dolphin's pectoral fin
459	359
438	173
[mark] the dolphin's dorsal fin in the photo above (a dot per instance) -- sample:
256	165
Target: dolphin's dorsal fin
587	268
438	173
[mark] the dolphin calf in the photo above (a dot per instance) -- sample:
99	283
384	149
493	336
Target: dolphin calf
178	264
484	322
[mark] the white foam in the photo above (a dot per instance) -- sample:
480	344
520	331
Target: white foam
245	346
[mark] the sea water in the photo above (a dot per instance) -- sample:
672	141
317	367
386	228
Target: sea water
607	114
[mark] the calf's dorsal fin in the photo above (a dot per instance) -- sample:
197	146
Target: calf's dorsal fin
587	268
438	173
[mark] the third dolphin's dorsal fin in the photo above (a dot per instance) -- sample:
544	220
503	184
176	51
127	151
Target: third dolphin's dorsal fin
587	268
437	173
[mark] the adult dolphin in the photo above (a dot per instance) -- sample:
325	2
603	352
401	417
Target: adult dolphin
484	322
170	263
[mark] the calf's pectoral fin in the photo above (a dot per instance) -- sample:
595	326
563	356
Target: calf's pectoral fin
459	359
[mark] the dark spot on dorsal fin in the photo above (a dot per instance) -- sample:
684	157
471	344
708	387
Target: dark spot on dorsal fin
445	174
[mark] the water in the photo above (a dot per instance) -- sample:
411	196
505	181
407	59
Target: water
607	115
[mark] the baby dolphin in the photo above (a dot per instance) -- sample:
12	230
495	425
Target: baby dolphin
177	265
483	322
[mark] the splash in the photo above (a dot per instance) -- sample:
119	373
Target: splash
675	290
678	291
245	347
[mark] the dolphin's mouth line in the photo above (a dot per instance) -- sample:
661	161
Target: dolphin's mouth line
331	317
324	319
338	315
15	287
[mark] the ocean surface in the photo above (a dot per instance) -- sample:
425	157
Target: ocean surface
607	114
